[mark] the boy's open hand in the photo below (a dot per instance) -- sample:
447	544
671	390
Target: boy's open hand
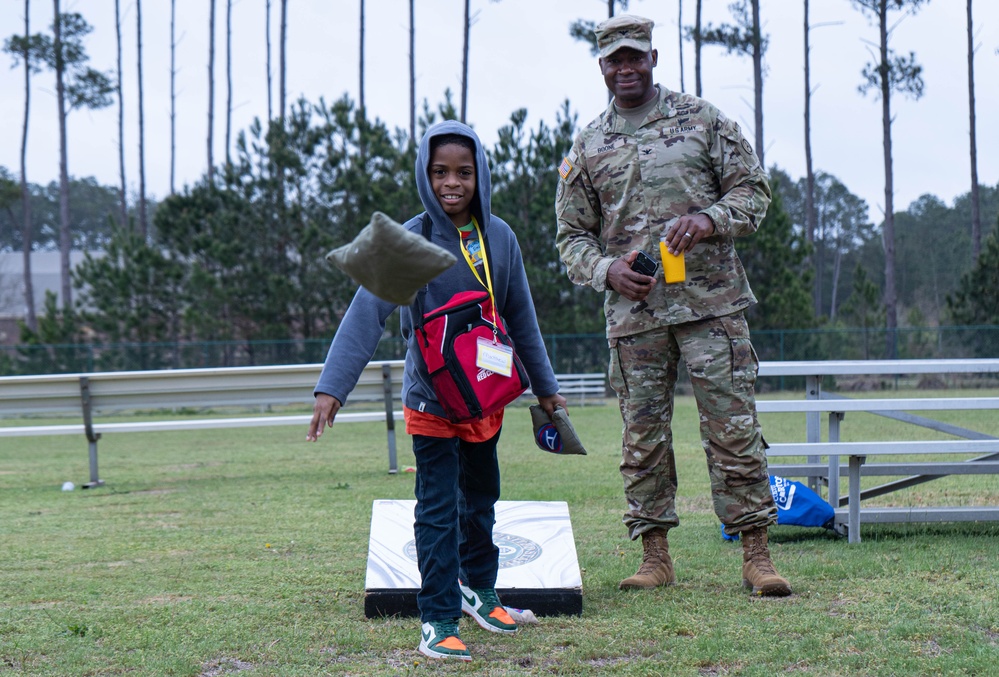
549	403
323	413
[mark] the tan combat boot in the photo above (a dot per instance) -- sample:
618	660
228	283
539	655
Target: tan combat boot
657	567
758	570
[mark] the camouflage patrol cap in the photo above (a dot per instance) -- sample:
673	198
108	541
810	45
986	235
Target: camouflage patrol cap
625	30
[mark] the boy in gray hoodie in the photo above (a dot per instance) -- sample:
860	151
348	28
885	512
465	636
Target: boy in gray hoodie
457	472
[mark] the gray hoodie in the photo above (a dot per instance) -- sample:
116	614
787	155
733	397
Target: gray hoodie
364	322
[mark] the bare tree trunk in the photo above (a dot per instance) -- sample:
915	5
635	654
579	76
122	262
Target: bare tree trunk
464	65
810	217
758	80
697	49
284	42
361	62
820	254
891	297
279	169
412	70
122	194
679	24
173	94
211	89
361	111
228	79
65	241
143	223
976	217
31	320
837	267
610	13
267	21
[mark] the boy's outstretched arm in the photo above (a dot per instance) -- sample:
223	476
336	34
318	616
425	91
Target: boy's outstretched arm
323	413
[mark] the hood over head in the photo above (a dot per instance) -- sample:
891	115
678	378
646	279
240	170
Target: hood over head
483	185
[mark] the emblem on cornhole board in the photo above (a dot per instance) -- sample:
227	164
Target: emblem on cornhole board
513	550
538	568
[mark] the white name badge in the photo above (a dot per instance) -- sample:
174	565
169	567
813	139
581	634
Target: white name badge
494	356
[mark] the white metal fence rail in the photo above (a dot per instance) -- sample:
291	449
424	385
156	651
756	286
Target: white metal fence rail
190	389
95	394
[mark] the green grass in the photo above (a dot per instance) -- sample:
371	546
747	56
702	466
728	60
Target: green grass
243	552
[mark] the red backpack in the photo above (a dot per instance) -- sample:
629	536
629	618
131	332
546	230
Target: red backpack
449	338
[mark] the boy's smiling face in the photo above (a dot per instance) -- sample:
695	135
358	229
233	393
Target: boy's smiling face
452	178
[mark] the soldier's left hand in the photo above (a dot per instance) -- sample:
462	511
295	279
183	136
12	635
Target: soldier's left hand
687	231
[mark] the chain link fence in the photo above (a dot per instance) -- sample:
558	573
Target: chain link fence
570	353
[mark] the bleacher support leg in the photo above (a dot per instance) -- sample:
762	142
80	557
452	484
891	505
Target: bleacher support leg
813	423
92	437
389	417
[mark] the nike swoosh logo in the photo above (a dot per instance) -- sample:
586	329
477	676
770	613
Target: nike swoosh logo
427	636
470	600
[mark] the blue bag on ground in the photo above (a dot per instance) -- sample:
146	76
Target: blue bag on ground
797	505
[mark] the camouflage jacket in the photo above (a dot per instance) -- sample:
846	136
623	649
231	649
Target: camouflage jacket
620	188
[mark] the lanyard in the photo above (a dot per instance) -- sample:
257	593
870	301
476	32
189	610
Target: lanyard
488	284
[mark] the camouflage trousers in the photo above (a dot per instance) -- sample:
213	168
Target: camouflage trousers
722	365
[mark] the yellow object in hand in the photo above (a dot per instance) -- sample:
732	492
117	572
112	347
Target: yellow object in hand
674	268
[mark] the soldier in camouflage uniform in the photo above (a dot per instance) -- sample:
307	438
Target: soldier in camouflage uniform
665	166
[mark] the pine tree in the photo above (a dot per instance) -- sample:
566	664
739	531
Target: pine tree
774	258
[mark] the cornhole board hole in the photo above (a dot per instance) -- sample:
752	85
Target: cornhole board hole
538	569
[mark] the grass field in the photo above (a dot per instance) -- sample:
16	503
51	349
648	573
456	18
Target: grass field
242	552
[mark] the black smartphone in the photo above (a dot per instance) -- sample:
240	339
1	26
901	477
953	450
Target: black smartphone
645	264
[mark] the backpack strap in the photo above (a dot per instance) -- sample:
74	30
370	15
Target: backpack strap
427	226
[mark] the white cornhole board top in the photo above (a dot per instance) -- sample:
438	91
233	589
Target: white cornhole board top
537	550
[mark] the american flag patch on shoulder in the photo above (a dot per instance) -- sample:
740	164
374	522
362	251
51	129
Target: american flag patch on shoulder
564	168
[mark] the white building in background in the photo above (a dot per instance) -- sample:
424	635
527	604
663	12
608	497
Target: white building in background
44	277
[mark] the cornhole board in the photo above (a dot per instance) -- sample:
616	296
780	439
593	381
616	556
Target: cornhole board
538	569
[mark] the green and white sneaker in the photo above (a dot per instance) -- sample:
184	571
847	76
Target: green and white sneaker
439	639
485	608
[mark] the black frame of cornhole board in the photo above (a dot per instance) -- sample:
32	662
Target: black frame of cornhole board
542	601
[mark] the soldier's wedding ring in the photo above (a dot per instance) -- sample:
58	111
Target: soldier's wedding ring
687	235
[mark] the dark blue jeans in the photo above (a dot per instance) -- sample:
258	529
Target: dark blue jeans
457	486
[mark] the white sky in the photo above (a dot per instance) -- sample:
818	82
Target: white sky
521	57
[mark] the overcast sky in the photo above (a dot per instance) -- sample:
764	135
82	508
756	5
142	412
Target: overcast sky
521	57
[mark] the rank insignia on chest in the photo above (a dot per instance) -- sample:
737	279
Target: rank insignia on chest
564	168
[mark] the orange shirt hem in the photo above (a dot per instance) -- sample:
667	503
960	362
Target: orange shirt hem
422	423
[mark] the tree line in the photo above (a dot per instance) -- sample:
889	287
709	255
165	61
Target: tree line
239	256
235	256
